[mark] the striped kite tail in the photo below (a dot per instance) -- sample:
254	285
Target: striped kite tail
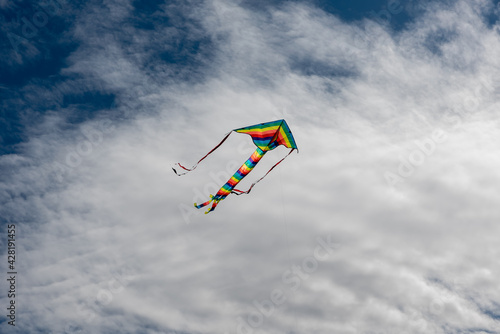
227	188
213	199
240	192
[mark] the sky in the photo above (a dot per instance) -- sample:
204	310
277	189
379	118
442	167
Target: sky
384	222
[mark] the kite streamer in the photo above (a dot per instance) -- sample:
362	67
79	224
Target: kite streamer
266	136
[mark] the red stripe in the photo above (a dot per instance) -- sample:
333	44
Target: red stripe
261	134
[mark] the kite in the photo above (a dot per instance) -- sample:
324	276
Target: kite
266	136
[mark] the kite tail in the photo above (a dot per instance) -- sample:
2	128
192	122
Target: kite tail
204	204
214	205
240	192
196	165
227	188
215	199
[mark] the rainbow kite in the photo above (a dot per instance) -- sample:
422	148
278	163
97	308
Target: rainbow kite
266	136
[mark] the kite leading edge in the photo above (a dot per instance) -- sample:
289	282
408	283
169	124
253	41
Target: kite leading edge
266	136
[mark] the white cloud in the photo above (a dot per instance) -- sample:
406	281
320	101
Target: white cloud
106	249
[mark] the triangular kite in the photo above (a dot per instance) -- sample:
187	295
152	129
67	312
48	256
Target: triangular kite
266	136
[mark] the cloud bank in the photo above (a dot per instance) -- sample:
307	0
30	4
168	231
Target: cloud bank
397	172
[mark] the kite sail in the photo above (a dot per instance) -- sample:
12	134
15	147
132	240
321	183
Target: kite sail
266	136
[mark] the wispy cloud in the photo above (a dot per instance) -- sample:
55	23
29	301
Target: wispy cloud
104	246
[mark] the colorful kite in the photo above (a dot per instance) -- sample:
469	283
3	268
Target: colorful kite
266	136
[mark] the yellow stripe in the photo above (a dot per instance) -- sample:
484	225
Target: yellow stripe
268	128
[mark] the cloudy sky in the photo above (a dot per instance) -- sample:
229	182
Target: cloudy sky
384	222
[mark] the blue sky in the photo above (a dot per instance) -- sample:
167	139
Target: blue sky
385	222
41	57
